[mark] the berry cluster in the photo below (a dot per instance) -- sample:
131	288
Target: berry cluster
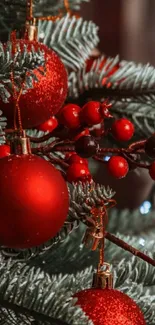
79	130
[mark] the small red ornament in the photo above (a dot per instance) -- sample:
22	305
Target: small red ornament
123	129
118	166
78	172
33	199
85	132
152	170
75	159
90	113
109	307
4	150
69	116
46	97
49	125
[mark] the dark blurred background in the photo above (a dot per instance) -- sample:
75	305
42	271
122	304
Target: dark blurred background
127	27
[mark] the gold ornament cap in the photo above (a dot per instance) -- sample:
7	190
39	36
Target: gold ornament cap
20	144
32	29
103	278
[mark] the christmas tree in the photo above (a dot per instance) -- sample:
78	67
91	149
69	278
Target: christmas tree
52	124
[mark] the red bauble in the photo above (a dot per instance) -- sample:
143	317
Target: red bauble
33	201
78	172
75	159
4	150
69	116
118	167
90	113
109	307
47	95
152	170
123	129
49	125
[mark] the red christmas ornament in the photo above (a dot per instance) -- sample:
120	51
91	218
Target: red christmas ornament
109	307
69	116
4	150
123	129
118	166
33	199
78	172
75	159
49	125
47	95
90	113
152	170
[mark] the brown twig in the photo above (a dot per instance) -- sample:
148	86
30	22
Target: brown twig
58	161
119	242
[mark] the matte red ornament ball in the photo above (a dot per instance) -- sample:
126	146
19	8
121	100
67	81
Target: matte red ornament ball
33	199
123	129
90	113
46	97
4	150
152	170
118	166
49	125
78	172
109	307
69	116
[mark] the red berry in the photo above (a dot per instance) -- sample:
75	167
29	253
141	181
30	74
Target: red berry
104	110
123	129
152	170
70	116
78	172
82	134
118	167
75	159
49	125
97	130
69	154
90	113
4	150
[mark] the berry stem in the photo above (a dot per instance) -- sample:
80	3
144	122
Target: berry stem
117	241
57	161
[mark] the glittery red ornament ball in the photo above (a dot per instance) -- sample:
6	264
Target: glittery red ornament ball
33	199
109	307
46	97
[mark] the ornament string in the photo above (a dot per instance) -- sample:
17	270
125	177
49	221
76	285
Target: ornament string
60	15
29	9
16	96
